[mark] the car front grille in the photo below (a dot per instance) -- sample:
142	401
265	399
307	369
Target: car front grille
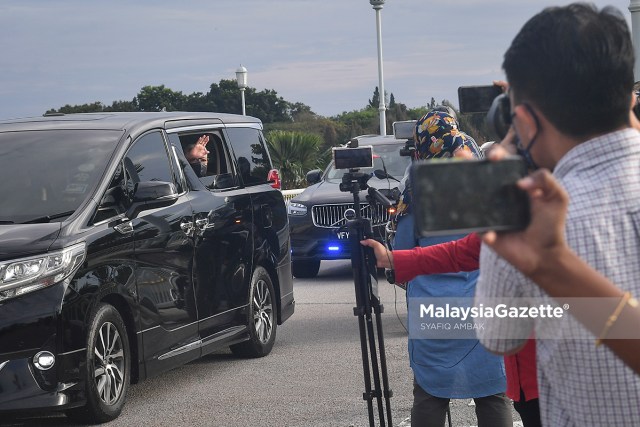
331	216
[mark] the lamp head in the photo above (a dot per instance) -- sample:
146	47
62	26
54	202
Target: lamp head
241	77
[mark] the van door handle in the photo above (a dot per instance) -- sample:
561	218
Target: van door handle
187	227
202	224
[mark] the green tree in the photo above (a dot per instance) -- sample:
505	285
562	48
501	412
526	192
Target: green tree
158	98
374	102
95	107
293	154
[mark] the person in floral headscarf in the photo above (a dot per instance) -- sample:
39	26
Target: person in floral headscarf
437	135
447	368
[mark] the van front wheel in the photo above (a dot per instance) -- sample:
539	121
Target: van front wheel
108	362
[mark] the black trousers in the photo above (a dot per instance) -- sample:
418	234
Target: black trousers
529	411
430	411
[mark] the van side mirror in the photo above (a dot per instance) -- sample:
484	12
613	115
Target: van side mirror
314	176
151	195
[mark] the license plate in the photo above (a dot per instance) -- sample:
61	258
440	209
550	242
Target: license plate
342	235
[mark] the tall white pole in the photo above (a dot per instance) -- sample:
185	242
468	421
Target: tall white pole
377	6
634	8
244	112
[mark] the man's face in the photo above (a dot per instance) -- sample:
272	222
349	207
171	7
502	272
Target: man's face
197	153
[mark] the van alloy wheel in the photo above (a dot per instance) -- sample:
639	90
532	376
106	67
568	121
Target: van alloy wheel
261	317
109	364
107	367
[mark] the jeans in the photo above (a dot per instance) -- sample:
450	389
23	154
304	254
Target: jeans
430	411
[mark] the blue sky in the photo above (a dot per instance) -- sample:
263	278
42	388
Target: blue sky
321	53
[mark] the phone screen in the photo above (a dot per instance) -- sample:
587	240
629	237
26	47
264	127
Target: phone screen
477	99
462	196
353	158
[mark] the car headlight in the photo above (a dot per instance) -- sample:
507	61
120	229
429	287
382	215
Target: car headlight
18	277
296	209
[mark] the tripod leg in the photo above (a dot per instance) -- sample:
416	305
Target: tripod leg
375	369
387	392
368	396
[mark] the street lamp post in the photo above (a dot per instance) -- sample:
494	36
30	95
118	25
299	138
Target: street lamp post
377	6
241	77
634	8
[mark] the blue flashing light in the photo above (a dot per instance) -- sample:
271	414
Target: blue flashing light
334	248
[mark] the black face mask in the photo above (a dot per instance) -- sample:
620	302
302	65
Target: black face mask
199	168
526	152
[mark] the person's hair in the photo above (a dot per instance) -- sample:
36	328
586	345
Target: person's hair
575	64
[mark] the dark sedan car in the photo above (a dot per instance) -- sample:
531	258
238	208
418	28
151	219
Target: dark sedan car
317	214
117	262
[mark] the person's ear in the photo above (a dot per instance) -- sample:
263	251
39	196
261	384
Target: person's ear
525	122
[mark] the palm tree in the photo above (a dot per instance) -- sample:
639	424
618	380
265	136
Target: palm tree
294	154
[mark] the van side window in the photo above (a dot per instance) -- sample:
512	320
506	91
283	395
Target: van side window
220	173
147	160
251	154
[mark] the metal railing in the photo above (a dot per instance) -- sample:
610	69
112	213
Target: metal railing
290	194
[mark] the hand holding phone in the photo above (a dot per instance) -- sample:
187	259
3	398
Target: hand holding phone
462	196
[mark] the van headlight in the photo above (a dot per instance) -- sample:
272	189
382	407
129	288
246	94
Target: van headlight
18	277
296	209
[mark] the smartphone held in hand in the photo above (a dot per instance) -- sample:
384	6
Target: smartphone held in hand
452	196
477	99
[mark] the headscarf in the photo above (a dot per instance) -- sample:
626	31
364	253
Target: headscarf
437	135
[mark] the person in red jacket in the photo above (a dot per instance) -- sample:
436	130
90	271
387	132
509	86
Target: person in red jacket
463	255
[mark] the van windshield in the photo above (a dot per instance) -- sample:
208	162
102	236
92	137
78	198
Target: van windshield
46	175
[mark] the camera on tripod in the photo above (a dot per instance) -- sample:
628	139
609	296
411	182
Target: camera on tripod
368	308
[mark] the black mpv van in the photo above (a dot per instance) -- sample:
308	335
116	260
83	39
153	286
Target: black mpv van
117	262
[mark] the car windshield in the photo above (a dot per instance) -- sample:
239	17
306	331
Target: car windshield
48	174
384	156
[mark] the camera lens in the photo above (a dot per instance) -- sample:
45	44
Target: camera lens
499	117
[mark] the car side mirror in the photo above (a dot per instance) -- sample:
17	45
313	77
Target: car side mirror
314	176
151	195
380	174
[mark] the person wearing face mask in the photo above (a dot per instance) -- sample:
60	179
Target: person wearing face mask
572	117
197	155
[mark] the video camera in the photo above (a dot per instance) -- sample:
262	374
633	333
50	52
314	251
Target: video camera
404	130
